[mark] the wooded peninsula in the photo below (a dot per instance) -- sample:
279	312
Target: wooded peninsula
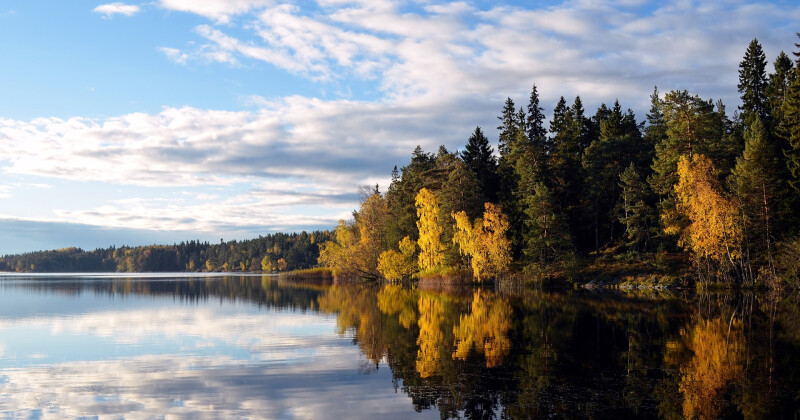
690	195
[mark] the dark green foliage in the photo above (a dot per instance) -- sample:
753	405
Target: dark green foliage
656	130
546	233
619	145
478	157
299	250
508	127
401	194
790	130
778	87
692	126
638	214
568	130
758	188
753	84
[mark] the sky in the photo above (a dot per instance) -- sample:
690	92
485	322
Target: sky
134	123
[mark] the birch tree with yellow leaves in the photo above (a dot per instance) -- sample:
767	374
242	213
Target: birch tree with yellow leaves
431	254
485	241
714	233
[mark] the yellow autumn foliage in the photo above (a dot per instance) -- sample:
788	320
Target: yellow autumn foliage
715	230
484	241
396	266
397	300
485	329
357	245
431	336
431	255
718	347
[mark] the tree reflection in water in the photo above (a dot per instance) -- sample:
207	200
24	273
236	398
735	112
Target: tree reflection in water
537	354
481	354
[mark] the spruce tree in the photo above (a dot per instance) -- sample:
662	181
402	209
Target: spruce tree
537	134
546	235
778	86
753	84
479	158
759	187
569	130
508	126
790	130
638	215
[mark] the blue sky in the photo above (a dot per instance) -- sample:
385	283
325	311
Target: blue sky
155	122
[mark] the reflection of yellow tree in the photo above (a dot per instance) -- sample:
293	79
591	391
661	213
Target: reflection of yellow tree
431	337
718	348
485	329
356	309
394	299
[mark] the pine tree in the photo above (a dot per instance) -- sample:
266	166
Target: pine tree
656	130
692	127
618	145
753	84
537	135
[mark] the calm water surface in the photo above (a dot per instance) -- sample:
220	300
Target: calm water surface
255	347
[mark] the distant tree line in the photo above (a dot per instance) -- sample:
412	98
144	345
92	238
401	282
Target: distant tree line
722	191
273	252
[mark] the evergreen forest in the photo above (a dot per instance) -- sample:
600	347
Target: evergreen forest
274	252
687	193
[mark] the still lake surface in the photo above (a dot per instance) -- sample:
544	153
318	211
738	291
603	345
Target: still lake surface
255	347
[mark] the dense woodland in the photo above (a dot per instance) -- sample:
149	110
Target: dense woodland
687	188
718	195
276	252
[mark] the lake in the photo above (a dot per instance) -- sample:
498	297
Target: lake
252	346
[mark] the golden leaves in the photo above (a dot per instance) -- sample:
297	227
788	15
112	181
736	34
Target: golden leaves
715	230
485	329
396	266
484	241
718	347
431	254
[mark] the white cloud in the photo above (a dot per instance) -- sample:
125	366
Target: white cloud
111	9
175	55
220	11
223	360
437	72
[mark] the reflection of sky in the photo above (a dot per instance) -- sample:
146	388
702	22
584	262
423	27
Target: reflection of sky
142	356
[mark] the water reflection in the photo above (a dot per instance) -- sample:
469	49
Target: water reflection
480	354
258	347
